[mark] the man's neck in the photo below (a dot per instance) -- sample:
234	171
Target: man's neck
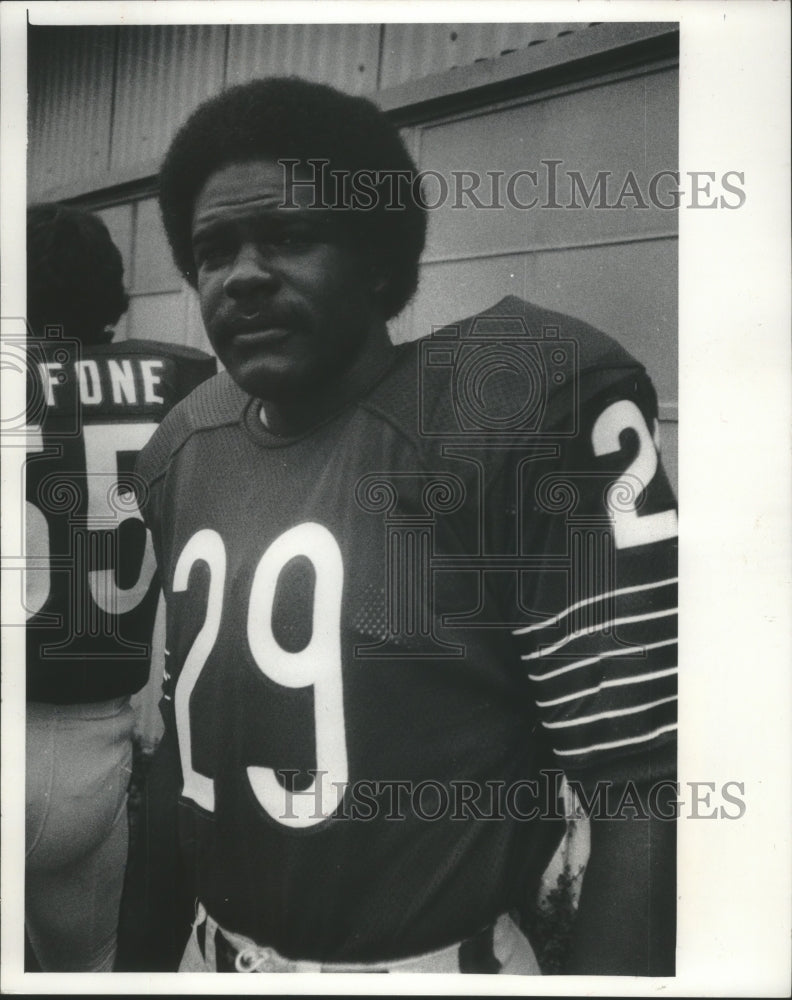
287	417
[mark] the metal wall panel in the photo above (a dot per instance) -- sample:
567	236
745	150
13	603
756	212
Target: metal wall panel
157	317
162	73
628	290
173	317
70	72
620	130
154	267
412	51
343	55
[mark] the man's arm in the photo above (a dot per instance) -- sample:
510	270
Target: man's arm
626	922
158	901
602	662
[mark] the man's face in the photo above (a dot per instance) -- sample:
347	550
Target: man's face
286	300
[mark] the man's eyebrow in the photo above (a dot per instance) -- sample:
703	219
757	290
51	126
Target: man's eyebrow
209	228
319	222
275	217
304	217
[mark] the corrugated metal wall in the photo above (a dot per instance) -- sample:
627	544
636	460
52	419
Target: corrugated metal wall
412	51
105	102
343	55
70	72
162	73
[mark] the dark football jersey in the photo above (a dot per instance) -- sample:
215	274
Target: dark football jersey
390	636
91	592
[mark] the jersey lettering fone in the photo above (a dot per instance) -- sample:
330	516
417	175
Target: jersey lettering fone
388	637
91	592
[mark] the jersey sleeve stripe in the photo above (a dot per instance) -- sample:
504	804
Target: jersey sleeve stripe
612	623
617	722
609	595
613	744
615	713
626	651
613	682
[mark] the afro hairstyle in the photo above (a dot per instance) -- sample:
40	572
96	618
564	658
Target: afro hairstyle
75	274
280	118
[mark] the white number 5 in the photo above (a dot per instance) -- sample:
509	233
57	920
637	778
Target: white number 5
106	510
630	529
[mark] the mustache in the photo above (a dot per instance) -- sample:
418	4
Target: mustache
255	315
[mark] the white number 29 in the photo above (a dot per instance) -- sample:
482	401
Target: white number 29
317	666
630	529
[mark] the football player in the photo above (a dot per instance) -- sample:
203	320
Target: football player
408	587
91	591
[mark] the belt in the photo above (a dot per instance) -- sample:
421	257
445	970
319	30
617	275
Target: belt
227	951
